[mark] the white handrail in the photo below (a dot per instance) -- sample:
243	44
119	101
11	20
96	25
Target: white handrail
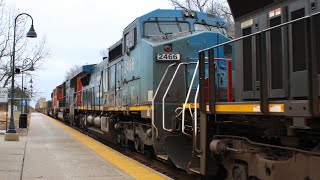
187	99
155	94
165	95
195	131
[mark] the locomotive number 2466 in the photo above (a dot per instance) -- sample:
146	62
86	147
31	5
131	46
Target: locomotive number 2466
168	57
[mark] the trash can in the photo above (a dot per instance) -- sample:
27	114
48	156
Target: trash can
23	120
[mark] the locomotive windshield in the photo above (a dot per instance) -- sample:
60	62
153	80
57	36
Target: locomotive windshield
205	27
156	28
165	28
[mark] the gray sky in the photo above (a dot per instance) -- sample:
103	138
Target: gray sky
76	31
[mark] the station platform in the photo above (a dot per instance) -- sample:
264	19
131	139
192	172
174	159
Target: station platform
52	150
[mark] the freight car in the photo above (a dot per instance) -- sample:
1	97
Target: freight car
272	129
134	96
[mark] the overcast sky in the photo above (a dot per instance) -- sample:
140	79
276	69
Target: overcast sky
76	31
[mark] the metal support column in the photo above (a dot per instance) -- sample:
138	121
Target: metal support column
312	58
262	61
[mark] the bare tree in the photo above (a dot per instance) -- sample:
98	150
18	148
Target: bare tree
215	7
71	72
104	53
30	55
221	9
197	5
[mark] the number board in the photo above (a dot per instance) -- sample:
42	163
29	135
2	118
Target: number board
168	57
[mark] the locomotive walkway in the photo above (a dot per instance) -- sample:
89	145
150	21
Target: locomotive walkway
52	150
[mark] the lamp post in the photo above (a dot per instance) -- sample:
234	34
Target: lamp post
25	77
11	134
23	92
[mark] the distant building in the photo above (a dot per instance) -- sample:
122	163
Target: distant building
20	103
41	105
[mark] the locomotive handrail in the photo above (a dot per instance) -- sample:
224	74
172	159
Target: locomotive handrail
156	93
187	98
229	69
165	94
195	131
195	128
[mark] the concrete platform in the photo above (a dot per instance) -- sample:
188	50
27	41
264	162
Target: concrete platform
51	150
11	158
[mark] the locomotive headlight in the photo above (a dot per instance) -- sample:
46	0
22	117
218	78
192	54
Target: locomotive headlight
167	47
189	14
193	14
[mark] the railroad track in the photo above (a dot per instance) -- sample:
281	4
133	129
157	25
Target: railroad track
166	169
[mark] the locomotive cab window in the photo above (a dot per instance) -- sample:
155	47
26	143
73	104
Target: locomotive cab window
130	39
164	28
206	27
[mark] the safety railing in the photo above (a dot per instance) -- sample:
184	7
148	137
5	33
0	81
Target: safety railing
229	90
264	98
155	95
195	122
187	99
166	92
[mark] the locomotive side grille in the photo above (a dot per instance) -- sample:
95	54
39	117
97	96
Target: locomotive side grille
276	54
247	60
298	42
115	53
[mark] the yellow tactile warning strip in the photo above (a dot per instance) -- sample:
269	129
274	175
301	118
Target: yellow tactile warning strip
133	168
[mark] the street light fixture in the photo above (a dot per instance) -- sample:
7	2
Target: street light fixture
11	134
31	33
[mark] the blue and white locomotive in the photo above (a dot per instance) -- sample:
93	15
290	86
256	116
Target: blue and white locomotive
129	98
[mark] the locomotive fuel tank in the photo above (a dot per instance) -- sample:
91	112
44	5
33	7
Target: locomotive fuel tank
97	121
90	119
